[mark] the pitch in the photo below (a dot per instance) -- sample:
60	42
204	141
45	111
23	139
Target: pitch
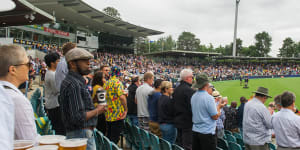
234	91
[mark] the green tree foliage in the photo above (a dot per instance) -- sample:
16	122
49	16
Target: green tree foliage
112	12
262	44
288	48
188	41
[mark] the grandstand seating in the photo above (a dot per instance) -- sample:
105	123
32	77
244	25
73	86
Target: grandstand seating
164	145
223	144
272	146
176	147
234	146
231	138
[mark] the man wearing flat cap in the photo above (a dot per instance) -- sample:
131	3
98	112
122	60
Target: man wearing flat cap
257	122
205	113
78	112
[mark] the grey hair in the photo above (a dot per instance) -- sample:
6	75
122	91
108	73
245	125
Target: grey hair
10	55
185	73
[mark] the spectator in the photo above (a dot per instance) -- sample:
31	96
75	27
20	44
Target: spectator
152	107
97	84
205	114
132	107
43	74
231	123
116	104
277	101
240	113
51	93
106	70
286	124
271	108
78	112
210	89
62	67
7	119
220	121
13	73
257	122
165	109
142	94
182	108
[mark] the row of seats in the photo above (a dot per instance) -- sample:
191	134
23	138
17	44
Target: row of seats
103	143
140	139
234	141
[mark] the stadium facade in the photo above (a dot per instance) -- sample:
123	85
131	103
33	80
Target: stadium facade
68	20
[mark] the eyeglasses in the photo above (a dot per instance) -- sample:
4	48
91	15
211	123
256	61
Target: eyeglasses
26	64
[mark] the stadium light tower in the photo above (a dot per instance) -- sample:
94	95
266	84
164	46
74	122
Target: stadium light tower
235	27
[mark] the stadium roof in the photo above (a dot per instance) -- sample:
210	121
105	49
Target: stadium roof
24	14
257	58
78	12
183	53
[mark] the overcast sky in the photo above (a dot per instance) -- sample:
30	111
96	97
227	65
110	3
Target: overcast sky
212	21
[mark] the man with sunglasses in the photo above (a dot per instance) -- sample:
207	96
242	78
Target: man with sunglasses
14	65
79	115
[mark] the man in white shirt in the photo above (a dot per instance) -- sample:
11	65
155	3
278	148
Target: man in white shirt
14	65
286	124
7	116
142	94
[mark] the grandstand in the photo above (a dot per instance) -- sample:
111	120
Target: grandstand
90	29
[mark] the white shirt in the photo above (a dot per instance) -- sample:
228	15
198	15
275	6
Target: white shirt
142	94
51	92
25	127
7	116
287	128
256	123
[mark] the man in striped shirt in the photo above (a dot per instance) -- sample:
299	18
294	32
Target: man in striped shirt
257	122
78	112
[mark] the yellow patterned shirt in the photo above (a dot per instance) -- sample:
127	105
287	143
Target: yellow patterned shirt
114	89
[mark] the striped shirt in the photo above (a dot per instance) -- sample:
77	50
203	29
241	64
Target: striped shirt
75	101
287	128
256	123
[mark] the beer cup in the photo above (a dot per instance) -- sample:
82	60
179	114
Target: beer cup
73	144
44	147
23	144
51	139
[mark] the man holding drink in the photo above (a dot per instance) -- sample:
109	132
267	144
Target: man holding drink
78	112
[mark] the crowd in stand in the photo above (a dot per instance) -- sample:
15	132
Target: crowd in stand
192	113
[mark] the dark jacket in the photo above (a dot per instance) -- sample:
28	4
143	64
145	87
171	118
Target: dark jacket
165	110
182	105
132	107
240	113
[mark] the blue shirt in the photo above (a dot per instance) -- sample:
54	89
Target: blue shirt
152	106
61	72
203	108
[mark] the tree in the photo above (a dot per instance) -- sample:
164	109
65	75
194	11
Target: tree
288	48
169	43
188	41
263	43
112	12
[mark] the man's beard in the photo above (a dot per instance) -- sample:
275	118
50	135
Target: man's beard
82	72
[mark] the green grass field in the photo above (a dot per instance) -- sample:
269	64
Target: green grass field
234	91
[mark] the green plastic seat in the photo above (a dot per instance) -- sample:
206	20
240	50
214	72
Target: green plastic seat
231	138
176	147
223	144
107	143
145	139
164	145
154	142
99	140
272	146
227	132
218	148
234	146
128	133
238	135
137	137
115	146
